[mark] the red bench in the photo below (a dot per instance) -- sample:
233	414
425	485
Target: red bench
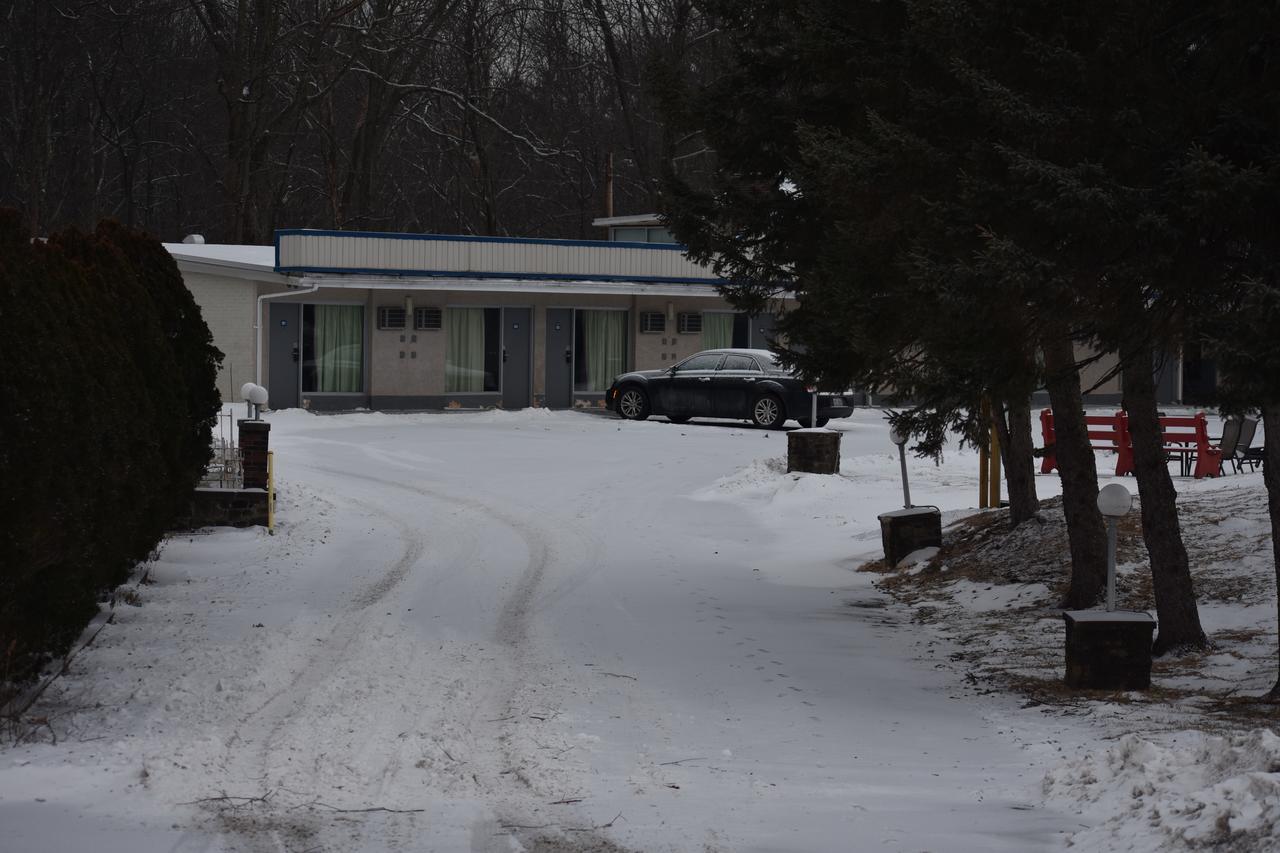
1184	438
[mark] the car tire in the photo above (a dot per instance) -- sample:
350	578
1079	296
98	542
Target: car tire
767	412
804	422
633	404
678	419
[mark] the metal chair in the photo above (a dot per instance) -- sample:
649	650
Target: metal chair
1228	442
1245	453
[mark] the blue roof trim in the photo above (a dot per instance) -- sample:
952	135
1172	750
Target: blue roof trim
461	238
527	276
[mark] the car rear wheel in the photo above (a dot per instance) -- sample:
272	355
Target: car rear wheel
767	412
633	404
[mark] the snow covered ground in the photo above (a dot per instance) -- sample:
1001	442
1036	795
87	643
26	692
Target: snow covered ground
560	631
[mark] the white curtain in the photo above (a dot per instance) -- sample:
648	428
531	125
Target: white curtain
339	348
605	339
464	350
717	330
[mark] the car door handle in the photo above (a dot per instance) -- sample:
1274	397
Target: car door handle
704	378
504	355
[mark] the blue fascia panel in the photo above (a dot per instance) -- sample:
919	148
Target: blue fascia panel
529	276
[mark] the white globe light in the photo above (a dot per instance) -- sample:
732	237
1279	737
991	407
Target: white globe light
1114	500
897	436
246	390
258	395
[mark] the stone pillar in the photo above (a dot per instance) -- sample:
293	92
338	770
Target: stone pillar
1109	650
906	530
253	452
813	451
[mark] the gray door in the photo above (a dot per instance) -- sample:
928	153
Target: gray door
516	335
1167	367
760	332
559	358
286	350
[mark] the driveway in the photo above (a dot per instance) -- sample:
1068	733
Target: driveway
531	630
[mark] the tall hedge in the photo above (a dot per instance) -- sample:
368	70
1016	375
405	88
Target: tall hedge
107	400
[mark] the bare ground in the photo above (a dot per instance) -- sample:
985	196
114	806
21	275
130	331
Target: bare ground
992	593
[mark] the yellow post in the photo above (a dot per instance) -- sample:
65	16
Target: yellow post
983	466
271	493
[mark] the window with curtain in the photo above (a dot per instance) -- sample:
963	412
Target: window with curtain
333	349
600	346
473	350
717	330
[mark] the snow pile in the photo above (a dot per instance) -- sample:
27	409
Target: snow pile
1212	793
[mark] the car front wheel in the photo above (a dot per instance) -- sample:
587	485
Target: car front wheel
633	404
767	412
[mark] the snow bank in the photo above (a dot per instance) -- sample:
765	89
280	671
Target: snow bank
1207	793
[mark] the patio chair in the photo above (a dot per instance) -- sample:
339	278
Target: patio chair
1246	454
1248	427
1228	442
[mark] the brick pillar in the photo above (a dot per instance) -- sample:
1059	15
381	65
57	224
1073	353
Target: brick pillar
253	450
813	451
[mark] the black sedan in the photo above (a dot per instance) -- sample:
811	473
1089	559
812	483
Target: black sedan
722	383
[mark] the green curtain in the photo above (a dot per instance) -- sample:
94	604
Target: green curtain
464	350
339	341
605	334
717	330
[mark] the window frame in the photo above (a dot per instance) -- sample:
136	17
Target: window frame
365	352
420	311
385	312
683	321
649	315
501	344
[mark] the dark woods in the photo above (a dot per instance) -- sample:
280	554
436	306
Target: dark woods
231	118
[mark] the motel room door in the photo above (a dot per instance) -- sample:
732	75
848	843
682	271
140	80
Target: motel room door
285	353
517	333
559	358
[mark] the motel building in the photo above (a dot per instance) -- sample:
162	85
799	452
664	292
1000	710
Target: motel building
333	320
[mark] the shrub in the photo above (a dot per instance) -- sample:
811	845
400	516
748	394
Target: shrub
107	395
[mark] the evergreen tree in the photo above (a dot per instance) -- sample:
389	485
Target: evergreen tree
974	184
1234	192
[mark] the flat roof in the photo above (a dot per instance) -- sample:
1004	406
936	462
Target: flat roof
262	257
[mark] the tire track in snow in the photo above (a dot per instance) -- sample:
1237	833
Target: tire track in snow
415	544
517	804
307	716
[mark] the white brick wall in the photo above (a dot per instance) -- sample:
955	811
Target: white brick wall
228	306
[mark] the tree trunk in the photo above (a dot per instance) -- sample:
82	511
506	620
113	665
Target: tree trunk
1170	572
1019	461
1271	476
1078	472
